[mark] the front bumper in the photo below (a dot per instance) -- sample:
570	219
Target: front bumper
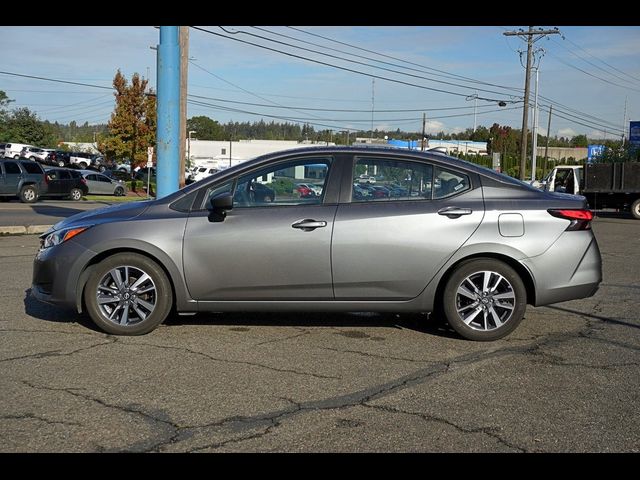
57	274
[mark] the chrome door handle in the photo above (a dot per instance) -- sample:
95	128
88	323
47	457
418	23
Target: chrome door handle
454	212
308	224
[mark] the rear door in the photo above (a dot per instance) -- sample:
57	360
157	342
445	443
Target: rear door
388	247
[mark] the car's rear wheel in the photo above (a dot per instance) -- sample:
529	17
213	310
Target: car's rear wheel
60	163
128	294
484	299
635	209
75	194
28	194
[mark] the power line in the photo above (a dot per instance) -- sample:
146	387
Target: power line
347	110
357	62
320	62
56	80
422	69
447	74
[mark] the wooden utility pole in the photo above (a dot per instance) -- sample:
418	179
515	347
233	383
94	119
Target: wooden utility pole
424	124
531	37
184	69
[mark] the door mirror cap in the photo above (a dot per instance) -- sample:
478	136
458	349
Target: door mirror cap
221	202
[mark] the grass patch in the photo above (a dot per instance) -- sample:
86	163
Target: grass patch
114	199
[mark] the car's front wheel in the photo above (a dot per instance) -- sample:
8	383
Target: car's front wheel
119	192
484	299
128	294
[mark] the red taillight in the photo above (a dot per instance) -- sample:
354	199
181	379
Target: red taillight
46	179
580	219
83	180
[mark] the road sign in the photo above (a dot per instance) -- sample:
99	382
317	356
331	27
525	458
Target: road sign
149	157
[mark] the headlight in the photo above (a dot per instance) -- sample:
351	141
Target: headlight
60	236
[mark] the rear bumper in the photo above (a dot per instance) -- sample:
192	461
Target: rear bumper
570	269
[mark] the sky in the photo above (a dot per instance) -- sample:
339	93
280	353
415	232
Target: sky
588	74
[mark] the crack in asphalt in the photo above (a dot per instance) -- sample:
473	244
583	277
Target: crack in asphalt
55	353
149	418
375	355
237	362
32	416
490	431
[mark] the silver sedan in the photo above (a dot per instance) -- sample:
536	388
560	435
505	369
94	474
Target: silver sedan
470	245
100	184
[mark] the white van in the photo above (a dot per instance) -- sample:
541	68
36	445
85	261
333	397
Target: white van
12	150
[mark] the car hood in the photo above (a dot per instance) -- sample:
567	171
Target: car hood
107	214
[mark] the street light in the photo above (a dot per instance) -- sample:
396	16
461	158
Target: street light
189	147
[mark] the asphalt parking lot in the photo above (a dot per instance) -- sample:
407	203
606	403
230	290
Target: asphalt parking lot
565	381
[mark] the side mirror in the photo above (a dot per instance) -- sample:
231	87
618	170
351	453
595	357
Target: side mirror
218	207
221	202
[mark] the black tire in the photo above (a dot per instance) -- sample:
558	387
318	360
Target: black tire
102	168
635	209
119	192
487	316
75	194
82	165
160	297
29	194
61	163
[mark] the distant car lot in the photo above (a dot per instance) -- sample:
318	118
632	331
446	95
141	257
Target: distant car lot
565	381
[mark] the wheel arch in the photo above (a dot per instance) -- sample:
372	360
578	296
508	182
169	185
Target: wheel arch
89	267
521	270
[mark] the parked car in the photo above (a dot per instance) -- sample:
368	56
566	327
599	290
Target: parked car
117	175
13	150
475	253
36	154
65	183
58	158
99	184
23	179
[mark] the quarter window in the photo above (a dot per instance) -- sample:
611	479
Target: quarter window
448	183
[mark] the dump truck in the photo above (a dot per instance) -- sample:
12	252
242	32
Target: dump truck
605	185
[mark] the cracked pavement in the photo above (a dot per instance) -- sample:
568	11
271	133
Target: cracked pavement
565	381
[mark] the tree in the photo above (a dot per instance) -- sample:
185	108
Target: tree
579	141
22	126
205	128
132	128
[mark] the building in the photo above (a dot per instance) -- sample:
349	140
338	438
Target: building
223	154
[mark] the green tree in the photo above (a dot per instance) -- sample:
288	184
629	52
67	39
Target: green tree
132	128
579	141
206	128
23	126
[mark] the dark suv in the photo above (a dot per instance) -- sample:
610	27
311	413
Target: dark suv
63	182
21	178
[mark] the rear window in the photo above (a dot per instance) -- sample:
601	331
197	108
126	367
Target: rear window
32	167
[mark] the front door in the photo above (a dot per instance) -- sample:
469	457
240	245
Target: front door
394	236
275	244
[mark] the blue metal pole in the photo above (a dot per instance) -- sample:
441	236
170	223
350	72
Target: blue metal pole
168	135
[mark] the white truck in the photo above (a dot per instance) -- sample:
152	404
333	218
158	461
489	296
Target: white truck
605	185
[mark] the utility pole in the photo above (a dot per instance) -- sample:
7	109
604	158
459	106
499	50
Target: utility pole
624	122
373	85
475	106
529	35
534	146
184	69
424	124
546	148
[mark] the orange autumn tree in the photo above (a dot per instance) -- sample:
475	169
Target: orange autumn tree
132	127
